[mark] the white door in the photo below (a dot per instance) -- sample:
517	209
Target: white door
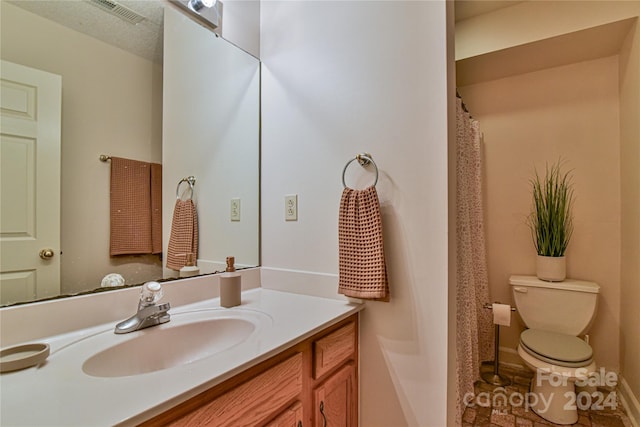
29	183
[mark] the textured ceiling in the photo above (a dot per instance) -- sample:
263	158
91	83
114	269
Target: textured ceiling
143	39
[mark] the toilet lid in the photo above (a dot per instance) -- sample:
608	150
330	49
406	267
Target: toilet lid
560	349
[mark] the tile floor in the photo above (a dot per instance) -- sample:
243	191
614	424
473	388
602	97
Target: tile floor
489	412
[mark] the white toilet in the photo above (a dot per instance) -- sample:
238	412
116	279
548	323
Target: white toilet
556	313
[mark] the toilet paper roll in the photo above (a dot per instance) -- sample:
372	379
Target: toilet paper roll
501	314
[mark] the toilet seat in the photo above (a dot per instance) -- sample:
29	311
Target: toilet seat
557	349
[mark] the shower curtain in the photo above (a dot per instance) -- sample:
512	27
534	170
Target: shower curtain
474	323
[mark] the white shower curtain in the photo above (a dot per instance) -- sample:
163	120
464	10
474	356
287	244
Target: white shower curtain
474	323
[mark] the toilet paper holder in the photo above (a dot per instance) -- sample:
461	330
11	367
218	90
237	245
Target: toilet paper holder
490	306
494	377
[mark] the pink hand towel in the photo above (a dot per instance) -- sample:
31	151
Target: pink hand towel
363	272
184	234
156	208
130	207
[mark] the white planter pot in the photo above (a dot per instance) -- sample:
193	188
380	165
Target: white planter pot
551	269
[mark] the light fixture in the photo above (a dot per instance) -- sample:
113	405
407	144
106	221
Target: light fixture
207	12
197	5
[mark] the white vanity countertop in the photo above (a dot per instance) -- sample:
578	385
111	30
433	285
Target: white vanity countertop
59	393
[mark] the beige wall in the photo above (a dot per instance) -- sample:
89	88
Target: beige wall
630	189
530	21
616	333
568	112
111	104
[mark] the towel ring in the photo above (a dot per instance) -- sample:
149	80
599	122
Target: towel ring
191	180
364	159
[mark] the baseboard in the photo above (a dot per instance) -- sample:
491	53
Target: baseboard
629	401
509	357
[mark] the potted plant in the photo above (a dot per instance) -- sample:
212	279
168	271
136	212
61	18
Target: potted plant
551	221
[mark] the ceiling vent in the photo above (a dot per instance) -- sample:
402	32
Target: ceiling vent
118	10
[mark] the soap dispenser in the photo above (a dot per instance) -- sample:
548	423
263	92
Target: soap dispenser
230	285
190	268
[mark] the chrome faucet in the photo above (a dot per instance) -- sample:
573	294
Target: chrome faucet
149	313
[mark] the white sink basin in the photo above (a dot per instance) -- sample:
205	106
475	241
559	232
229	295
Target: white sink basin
187	338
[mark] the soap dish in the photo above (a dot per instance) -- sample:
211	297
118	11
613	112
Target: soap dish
23	356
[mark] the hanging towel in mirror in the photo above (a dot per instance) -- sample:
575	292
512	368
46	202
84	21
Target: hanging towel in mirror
363	272
156	208
184	234
130	214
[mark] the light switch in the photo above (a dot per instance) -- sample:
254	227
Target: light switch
235	209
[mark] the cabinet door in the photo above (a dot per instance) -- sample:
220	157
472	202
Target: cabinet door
335	399
290	417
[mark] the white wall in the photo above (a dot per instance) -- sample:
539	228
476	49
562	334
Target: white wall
241	24
452	388
340	78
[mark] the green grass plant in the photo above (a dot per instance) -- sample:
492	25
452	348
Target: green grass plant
551	217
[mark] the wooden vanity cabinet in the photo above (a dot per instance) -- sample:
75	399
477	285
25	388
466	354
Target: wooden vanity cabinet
313	383
334	401
335	395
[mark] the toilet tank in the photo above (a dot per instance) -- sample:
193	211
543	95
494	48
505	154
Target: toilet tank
567	307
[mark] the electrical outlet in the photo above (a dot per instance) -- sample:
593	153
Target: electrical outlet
235	209
291	207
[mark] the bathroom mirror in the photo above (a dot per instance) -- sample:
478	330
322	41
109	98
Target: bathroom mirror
112	104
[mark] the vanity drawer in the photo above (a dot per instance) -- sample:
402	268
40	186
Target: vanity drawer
334	349
252	402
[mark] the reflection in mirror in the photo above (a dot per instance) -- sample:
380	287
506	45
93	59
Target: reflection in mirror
213	141
112	103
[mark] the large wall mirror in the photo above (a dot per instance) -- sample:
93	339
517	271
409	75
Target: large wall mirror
165	90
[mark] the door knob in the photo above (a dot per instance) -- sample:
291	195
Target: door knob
46	253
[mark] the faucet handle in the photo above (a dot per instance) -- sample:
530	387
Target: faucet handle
154	310
150	293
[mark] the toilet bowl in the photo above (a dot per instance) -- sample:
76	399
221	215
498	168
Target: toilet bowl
556	313
558	360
